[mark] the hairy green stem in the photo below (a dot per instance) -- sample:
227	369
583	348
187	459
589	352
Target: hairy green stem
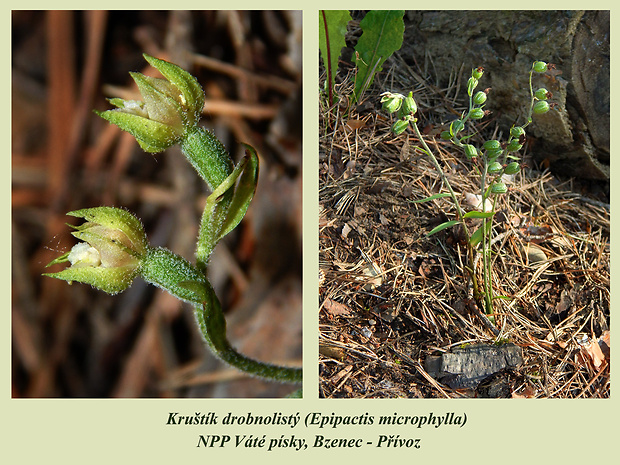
213	327
207	155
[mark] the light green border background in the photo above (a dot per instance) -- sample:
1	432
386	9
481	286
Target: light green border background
125	431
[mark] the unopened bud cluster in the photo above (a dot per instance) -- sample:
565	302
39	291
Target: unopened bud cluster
404	107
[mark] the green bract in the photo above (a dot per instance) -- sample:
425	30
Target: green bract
456	126
109	258
472	83
170	107
493	154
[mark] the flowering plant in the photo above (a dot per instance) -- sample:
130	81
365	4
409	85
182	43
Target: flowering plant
114	248
492	163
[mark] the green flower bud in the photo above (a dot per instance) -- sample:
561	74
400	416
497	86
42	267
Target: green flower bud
445	135
476	113
471	85
517	131
499	188
170	107
113	248
514	146
512	168
409	106
541	107
480	97
492	145
539	66
477	73
391	102
471	151
542	94
399	126
494	168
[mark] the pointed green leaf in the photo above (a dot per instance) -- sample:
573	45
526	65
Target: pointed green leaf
244	192
477	214
197	287
382	35
332	29
476	237
440	195
227	204
442	226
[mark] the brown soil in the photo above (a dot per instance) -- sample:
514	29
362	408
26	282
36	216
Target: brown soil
390	296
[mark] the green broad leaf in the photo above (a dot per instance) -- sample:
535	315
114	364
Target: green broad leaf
441	195
382	35
476	237
477	214
442	226
332	29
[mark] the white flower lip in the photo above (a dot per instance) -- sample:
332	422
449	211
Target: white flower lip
82	254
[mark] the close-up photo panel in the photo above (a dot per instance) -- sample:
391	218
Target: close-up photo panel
156	204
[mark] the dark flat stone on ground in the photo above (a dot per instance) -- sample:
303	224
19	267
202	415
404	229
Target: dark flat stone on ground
466	367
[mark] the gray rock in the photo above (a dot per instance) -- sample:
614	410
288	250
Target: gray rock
575	139
466	367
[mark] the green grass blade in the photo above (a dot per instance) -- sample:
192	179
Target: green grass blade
441	195
442	226
477	214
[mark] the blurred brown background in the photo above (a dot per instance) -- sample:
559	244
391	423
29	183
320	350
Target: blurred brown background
74	341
